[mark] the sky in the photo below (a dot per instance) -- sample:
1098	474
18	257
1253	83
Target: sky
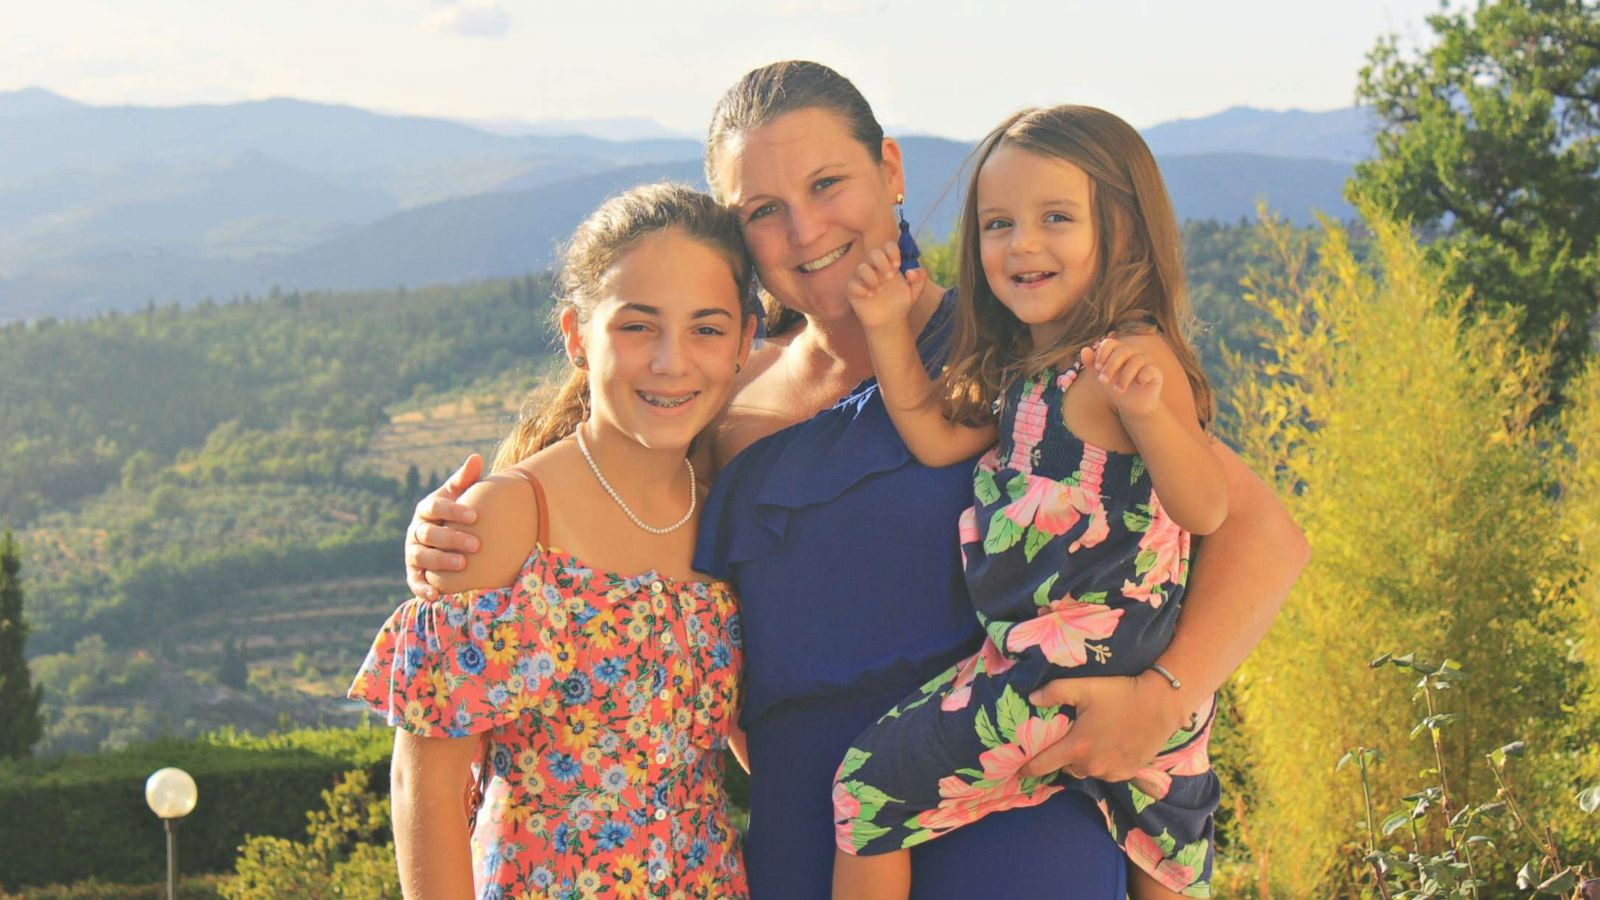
927	67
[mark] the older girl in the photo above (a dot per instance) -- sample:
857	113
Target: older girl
578	659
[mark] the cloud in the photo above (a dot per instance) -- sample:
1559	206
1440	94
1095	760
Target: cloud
472	18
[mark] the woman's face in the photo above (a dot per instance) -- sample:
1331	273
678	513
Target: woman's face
812	203
663	342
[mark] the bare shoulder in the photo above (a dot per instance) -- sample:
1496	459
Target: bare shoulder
507	527
1153	344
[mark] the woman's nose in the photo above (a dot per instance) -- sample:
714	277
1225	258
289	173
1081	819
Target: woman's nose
806	227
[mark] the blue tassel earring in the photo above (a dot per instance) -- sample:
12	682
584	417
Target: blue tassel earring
909	251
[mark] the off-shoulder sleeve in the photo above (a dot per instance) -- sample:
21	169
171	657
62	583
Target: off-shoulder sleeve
462	664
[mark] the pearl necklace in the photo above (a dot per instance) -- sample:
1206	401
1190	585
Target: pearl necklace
630	513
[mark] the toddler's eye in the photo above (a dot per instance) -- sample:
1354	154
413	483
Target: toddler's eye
1056	217
996	224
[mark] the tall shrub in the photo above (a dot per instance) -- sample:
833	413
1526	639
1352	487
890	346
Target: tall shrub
20	722
1399	431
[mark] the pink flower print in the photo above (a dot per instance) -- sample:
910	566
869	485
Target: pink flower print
988	660
1152	781
1170	546
1033	736
964	803
1147	855
1061	628
967	527
1028	428
845	810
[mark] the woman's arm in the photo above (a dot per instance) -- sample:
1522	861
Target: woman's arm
1239	580
428	781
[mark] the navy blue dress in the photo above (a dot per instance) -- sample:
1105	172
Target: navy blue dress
845	554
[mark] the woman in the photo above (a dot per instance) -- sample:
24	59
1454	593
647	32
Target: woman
841	546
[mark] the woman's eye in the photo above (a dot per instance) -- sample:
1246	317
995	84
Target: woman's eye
708	331
996	224
762	211
635	326
823	184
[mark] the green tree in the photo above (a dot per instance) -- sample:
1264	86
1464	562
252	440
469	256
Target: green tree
1490	140
20	722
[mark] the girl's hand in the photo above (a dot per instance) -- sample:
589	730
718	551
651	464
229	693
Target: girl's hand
1122	723
431	545
1131	380
879	294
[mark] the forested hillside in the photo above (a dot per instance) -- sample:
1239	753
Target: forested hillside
209	499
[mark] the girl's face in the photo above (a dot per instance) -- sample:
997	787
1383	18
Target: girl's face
812	203
1036	237
663	341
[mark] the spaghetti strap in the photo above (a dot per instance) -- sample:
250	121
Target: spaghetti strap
539	506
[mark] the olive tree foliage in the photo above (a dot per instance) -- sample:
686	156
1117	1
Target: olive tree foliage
1489	141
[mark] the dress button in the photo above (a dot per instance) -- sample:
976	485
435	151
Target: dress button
665	694
660	814
661	756
657	587
666	638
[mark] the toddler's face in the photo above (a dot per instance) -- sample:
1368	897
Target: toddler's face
1036	237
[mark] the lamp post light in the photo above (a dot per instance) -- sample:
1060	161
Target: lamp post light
171	794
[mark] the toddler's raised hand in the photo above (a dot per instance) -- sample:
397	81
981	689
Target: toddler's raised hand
1130	379
878	293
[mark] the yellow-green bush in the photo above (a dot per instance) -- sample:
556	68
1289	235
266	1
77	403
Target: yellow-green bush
1402	436
341	856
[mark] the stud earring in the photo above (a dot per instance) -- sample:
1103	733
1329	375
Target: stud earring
909	251
580	361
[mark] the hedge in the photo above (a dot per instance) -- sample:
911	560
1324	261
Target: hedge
74	818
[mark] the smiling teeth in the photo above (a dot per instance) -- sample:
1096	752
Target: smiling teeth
1031	277
825	261
667	402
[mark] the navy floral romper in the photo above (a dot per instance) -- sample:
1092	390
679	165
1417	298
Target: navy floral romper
1075	570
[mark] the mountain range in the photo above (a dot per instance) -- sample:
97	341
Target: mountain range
115	207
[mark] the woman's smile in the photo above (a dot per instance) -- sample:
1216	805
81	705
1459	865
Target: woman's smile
823	262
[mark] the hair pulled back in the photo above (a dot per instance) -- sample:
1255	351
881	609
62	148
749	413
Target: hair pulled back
590	254
1139	265
774	90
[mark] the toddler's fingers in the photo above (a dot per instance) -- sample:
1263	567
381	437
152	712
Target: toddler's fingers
1131	370
892	250
1104	350
916	278
880	262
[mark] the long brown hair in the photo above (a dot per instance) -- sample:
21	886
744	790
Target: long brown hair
775	90
1139	266
617	226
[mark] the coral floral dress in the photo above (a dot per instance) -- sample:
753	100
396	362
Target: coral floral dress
604	703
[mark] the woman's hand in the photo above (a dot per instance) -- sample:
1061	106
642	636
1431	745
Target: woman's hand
1122	723
431	544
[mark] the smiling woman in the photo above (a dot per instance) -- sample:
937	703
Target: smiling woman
844	547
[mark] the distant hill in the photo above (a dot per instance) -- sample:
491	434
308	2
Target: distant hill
1337	134
113	207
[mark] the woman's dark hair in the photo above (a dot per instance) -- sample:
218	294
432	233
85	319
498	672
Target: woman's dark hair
775	90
